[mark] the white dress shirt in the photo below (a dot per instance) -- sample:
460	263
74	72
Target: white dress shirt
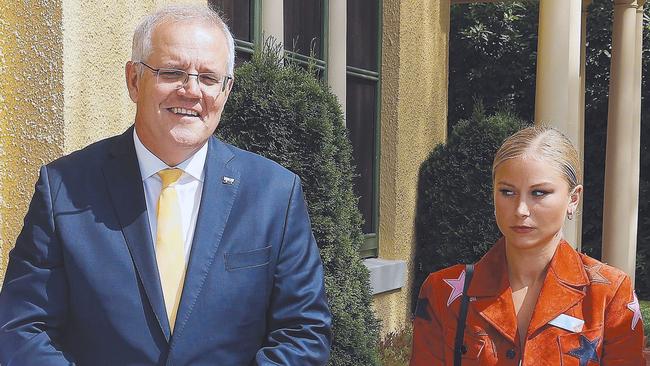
189	188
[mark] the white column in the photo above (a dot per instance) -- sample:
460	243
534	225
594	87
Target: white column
623	140
273	19
581	121
337	45
558	99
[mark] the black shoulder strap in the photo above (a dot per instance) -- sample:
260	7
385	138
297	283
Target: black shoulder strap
462	316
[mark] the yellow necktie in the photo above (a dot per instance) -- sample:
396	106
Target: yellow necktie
169	243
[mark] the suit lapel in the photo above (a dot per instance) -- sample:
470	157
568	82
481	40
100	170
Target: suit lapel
562	287
124	182
220	188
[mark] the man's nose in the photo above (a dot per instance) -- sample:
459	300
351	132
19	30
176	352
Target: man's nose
192	87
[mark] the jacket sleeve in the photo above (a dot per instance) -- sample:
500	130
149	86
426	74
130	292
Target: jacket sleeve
623	333
428	342
299	325
33	301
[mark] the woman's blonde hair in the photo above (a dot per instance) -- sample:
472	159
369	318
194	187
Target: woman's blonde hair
547	143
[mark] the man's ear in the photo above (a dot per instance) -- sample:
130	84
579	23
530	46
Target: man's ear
131	72
231	82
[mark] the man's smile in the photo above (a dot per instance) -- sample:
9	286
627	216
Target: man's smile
183	111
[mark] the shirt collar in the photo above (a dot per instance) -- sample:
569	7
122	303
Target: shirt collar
150	164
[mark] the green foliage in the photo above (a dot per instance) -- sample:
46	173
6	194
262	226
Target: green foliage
493	52
455	217
492	56
282	112
395	348
645	313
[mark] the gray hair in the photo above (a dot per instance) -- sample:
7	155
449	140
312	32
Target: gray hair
141	48
540	142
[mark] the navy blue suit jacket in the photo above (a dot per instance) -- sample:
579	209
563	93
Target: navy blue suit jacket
82	284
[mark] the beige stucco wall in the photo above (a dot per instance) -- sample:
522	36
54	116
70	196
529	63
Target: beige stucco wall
97	43
31	106
61	88
413	120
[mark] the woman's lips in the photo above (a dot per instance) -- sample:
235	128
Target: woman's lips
522	229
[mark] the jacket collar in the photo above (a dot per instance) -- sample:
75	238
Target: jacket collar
562	289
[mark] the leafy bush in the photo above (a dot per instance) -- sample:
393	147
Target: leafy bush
493	56
395	348
282	112
645	313
455	217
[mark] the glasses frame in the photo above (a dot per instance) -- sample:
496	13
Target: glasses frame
224	80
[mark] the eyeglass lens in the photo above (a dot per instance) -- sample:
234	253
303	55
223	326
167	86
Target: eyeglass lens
179	78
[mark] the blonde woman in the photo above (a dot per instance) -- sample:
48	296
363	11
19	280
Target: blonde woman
532	299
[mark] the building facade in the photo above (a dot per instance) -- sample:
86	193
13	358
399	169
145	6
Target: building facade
62	87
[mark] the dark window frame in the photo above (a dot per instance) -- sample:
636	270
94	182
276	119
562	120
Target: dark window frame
320	64
370	247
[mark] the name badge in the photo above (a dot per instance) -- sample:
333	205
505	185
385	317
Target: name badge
568	322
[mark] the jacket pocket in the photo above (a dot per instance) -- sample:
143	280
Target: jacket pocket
250	259
584	348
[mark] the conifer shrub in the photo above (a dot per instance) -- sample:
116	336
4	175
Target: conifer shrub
281	111
455	220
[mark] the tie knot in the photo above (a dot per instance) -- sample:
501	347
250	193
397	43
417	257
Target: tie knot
169	176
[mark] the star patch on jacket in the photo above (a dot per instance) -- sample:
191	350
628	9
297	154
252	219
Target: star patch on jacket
634	307
594	274
456	285
587	351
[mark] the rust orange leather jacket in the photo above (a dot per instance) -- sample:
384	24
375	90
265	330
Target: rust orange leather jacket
586	314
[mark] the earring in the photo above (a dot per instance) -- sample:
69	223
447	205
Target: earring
569	215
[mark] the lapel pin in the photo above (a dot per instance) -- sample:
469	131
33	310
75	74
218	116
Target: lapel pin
228	180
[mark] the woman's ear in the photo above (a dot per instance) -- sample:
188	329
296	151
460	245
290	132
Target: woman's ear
574	199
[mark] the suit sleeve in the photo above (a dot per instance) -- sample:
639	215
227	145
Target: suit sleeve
33	301
299	325
428	342
623	333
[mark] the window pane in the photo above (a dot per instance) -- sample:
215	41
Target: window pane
360	121
362	34
303	26
237	14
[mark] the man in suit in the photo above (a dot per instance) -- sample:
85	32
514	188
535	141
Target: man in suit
164	245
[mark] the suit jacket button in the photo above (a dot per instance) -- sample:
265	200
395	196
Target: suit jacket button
510	353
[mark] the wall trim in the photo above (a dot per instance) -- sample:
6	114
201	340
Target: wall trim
386	275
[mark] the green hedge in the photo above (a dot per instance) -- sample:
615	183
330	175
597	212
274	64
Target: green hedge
282	112
645	312
455	217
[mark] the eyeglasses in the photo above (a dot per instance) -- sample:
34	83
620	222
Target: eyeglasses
209	82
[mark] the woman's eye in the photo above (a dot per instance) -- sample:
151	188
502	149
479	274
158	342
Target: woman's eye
539	193
506	192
